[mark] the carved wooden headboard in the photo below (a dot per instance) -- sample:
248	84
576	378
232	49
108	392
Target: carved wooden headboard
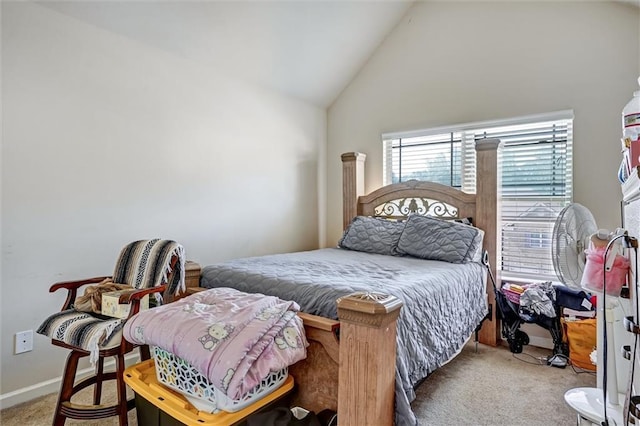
398	200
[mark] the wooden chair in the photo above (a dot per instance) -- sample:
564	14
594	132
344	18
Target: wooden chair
149	266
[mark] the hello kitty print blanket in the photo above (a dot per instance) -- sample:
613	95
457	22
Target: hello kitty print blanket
235	339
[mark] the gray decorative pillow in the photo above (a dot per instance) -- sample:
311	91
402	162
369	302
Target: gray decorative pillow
476	247
372	235
429	238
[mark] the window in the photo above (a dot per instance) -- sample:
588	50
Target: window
537	173
538	240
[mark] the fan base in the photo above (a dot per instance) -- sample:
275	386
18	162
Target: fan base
588	404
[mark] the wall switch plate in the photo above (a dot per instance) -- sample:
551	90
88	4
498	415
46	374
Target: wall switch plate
24	341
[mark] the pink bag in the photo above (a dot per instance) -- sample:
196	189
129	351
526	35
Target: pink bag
592	277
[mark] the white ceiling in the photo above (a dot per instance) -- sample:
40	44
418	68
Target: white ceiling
307	49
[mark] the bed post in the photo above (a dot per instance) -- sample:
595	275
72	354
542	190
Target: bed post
487	218
367	369
352	185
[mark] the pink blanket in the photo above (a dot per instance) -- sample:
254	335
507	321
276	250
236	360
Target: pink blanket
234	339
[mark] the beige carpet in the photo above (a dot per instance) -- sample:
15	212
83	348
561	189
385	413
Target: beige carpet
496	387
491	387
39	412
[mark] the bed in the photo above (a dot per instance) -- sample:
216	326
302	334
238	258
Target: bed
440	311
443	303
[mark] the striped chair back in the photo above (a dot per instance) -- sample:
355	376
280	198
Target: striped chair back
147	263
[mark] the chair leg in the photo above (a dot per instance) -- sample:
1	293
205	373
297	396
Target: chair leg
145	352
66	388
97	390
122	390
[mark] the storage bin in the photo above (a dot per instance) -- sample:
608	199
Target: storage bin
158	405
192	273
179	375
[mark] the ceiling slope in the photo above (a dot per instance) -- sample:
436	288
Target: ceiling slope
306	49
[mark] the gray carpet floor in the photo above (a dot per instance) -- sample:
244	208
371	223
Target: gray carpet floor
490	387
496	387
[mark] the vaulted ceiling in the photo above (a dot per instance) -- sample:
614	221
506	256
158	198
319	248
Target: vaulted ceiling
307	49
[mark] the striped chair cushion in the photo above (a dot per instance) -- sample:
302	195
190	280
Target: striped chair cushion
84	330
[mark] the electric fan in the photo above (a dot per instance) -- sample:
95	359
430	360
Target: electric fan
571	234
572	231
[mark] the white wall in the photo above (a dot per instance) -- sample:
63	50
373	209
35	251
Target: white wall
106	141
459	62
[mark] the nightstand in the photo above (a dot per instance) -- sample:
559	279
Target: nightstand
192	274
191	279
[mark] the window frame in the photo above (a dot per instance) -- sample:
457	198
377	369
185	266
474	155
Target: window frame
549	204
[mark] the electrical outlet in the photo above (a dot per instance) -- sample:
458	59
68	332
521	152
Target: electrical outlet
24	341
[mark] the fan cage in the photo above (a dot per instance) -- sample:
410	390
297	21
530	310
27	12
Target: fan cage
571	233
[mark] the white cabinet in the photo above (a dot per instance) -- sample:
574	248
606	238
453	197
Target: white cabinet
631	203
631	222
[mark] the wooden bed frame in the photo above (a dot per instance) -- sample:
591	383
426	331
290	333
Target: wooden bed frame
353	360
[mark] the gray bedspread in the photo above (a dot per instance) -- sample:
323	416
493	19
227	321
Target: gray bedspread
443	302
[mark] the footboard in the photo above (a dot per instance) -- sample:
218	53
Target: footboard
360	372
317	376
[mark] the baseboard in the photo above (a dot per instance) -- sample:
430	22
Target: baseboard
538	336
537	341
541	342
29	393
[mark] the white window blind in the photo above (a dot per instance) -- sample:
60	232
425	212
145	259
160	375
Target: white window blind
537	174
